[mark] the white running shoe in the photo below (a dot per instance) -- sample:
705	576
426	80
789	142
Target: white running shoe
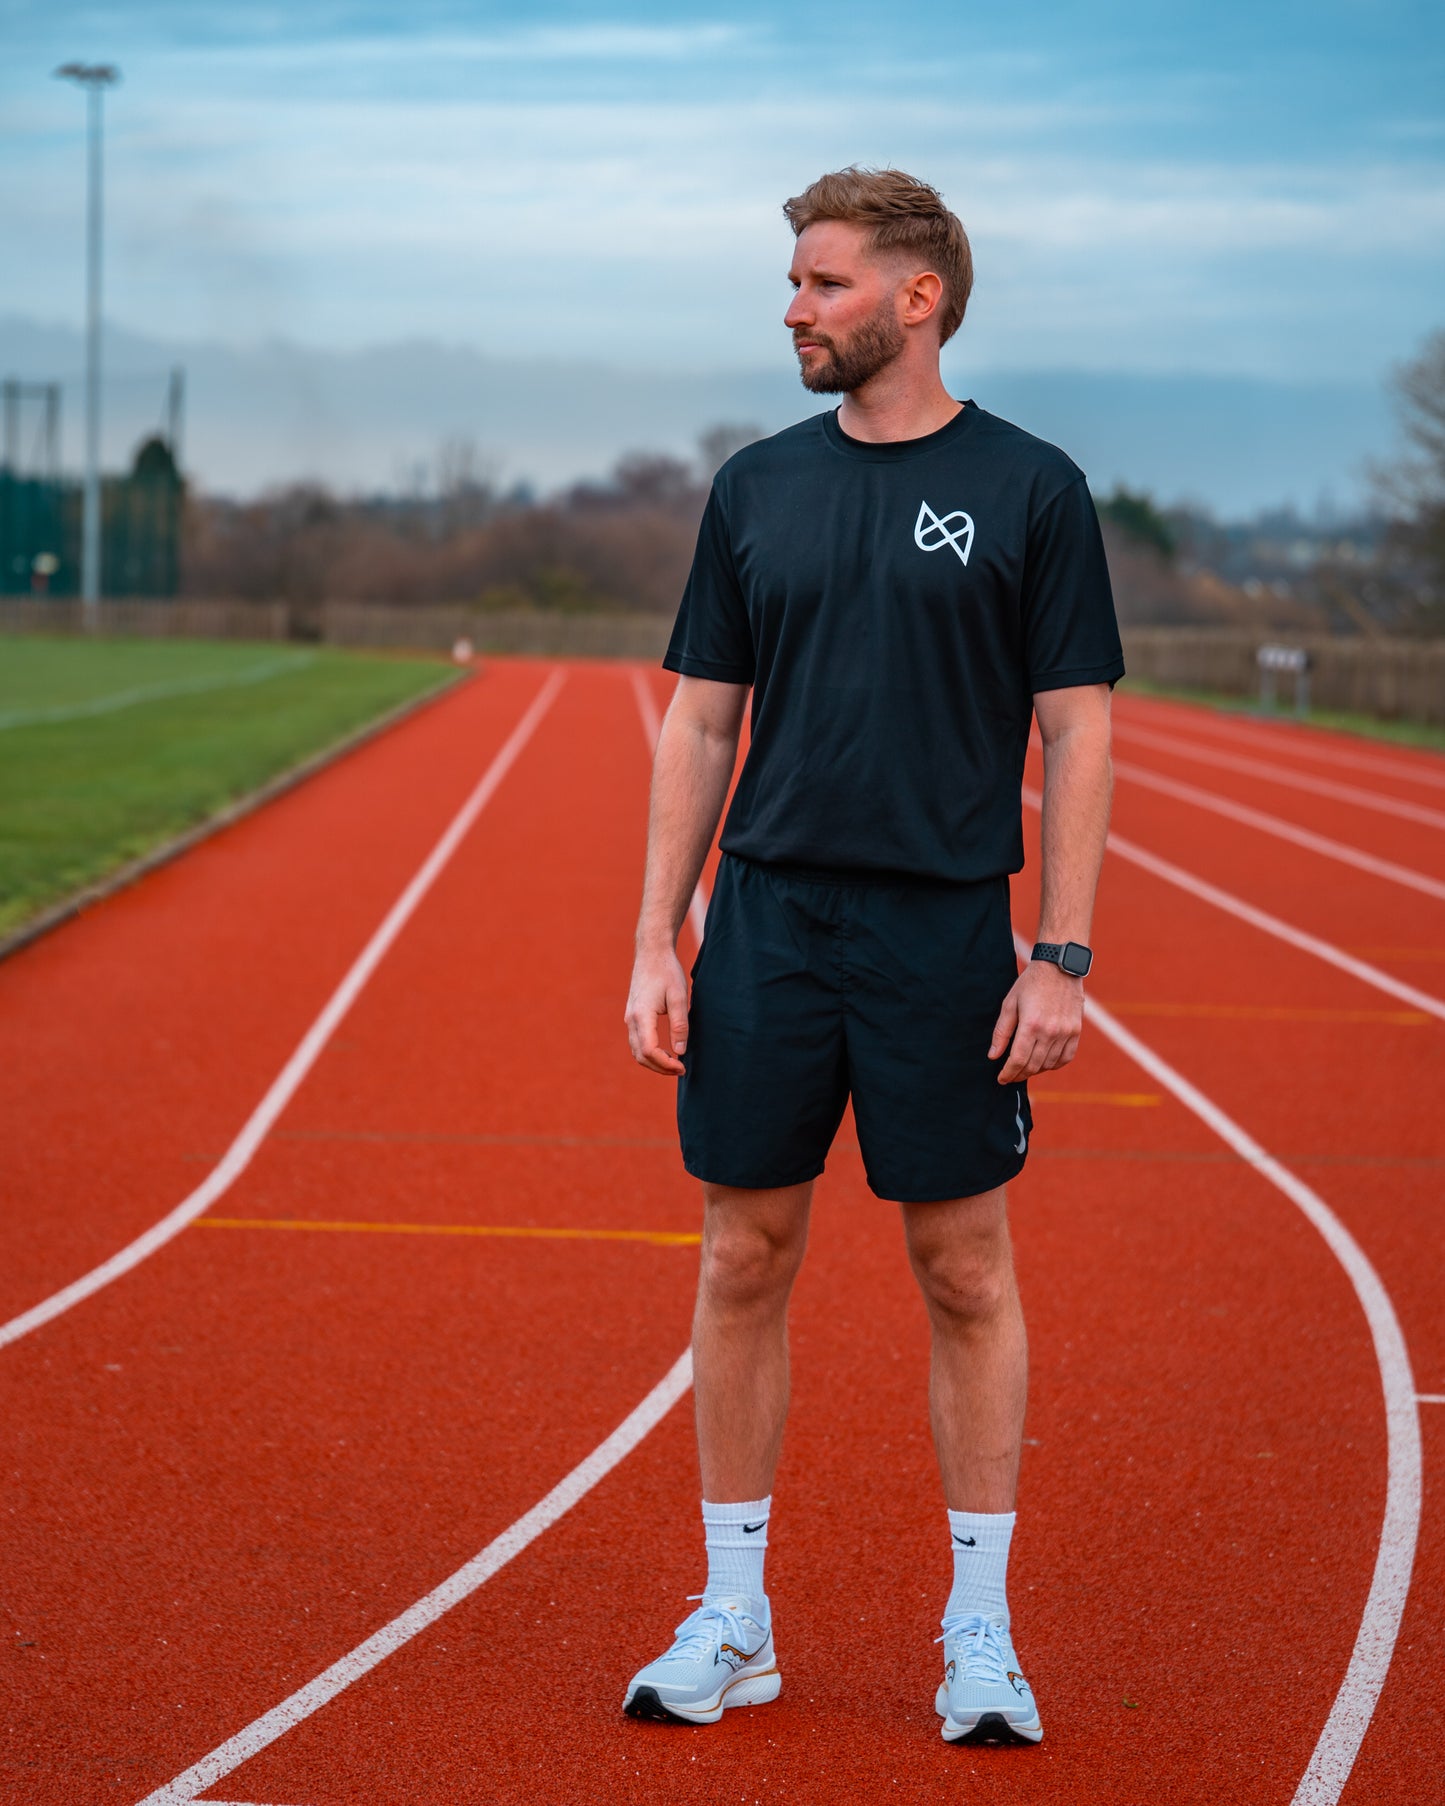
723	1656
984	1698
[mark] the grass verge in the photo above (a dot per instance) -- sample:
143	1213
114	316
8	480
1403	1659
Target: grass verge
1369	727
110	748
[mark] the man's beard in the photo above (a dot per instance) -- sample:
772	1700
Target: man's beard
872	348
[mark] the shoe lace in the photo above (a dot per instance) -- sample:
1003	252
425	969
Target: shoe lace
982	1655
713	1623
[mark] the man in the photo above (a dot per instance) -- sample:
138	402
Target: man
902	584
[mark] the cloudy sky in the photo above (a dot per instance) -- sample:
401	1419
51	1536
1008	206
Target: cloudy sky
1254	189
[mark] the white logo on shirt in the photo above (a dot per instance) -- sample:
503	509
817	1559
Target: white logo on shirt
930	534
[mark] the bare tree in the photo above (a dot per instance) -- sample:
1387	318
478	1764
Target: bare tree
1420	395
1413	489
718	443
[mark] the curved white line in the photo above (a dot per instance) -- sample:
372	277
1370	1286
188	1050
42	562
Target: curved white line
1282	736
283	1088
1268	924
1281	774
1349	1719
1282	830
452	1591
459	1586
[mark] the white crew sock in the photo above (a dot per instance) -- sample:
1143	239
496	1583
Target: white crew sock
979	1540
737	1540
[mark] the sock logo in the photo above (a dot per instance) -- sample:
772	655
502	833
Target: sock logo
966	1542
753	1529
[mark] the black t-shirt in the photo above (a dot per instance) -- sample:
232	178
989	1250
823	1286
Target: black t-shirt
895	607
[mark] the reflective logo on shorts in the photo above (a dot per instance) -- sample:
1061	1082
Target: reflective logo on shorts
1021	1146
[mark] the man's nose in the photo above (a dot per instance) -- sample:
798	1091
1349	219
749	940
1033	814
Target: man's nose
799	313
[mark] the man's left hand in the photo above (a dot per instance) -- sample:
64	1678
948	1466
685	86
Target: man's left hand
1042	1015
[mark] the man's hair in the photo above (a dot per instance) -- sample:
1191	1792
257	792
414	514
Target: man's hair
902	214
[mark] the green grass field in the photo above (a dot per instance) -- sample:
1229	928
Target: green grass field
110	747
1371	727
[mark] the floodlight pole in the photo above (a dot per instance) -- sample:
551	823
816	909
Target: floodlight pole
95	78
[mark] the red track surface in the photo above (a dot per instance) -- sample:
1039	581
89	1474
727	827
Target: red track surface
229	1467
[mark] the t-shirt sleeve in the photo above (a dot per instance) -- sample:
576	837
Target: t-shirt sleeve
1070	634
712	636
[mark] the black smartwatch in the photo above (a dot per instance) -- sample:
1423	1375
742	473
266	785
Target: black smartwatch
1071	957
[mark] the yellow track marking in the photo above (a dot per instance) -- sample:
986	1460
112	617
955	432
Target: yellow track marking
1403	1163
1257	1012
660	1238
1124	1100
468	1139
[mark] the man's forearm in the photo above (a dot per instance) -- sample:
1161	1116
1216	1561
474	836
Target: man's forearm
690	778
1078	782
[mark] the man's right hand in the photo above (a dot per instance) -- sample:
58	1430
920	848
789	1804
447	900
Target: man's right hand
657	1011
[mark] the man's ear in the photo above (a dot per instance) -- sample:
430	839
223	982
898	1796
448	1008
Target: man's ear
921	297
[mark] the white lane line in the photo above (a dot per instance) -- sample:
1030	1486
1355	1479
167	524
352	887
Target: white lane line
273	1724
116	700
1281	829
1284	737
239	1155
1281	774
1261	919
1349	1718
452	1591
1431	1398
652	727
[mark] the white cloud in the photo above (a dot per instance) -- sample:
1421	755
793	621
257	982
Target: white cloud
631	231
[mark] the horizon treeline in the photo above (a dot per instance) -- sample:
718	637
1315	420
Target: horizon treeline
624	543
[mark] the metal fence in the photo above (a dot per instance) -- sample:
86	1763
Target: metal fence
40	530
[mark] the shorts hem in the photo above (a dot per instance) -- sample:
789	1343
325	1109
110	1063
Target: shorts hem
970	1190
712	1178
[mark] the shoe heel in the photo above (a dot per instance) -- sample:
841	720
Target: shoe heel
756	1690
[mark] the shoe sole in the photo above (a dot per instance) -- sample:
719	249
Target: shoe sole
747	1690
988	1727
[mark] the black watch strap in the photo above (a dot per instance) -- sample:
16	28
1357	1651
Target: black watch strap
1070	956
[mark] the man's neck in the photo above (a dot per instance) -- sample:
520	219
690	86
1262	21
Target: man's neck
897	404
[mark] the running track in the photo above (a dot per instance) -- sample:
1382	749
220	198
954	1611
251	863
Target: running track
232	1466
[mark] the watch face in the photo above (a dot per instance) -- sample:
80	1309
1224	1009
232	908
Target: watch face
1076	960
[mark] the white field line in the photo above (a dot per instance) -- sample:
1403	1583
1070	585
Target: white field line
1282	738
652	727
182	686
452	1591
283	1088
1261	919
459	1586
1281	774
1349	1718
1282	830
1431	1398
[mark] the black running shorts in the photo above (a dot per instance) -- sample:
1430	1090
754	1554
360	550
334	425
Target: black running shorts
813	986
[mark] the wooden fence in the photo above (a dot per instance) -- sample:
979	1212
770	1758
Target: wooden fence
541	633
1396	680
1401	680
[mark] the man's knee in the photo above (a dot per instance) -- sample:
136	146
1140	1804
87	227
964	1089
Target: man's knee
968	1278
967	1290
749	1261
